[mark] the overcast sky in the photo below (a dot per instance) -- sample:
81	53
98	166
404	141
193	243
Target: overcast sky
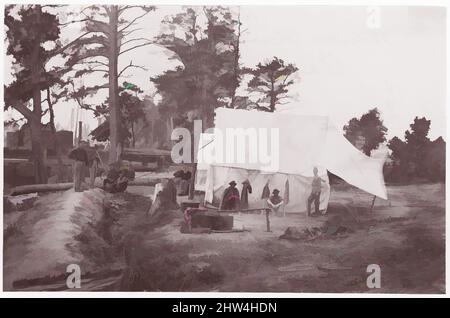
348	61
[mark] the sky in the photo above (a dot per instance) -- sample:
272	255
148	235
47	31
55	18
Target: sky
350	59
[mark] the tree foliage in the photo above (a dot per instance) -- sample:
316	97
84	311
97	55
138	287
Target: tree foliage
369	127
109	35
418	156
208	76
270	80
132	109
32	40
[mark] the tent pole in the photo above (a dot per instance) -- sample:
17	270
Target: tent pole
373	202
267	220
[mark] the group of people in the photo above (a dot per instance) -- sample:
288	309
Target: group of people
119	173
232	200
85	156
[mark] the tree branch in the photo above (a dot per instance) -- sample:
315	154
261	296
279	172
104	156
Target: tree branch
98	70
73	21
13	122
25	111
131	31
62	49
131	65
133	21
133	40
136	46
97	62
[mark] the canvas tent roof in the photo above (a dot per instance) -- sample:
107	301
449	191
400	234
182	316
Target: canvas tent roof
304	142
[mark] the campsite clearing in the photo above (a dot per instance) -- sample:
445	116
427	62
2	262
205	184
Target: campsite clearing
405	236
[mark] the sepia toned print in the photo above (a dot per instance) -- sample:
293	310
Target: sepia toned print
224	149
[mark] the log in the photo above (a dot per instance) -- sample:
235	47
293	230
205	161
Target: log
231	231
145	182
242	211
32	188
212	221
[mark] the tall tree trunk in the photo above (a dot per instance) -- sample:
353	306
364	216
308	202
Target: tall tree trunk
37	148
114	107
37	152
236	63
194	165
60	169
272	96
133	138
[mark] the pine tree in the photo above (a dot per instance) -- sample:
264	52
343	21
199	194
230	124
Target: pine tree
110	36
271	80
26	35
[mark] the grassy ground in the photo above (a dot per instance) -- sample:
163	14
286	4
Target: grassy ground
404	236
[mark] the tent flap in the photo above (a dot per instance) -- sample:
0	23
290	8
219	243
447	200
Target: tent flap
341	158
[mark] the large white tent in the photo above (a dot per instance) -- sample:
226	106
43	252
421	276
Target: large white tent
297	144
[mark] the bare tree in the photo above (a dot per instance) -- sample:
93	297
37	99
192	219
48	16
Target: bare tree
110	36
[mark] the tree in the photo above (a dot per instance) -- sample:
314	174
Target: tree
417	144
132	110
435	160
109	37
28	37
369	127
418	156
271	80
417	140
398	148
224	30
207	78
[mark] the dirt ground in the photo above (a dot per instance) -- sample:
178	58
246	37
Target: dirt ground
405	236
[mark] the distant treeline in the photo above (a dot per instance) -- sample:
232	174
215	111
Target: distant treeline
414	159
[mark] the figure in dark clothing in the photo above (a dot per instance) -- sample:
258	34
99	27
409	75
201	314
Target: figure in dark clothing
187	176
80	156
230	200
170	192
275	201
316	187
182	181
246	189
264	196
266	191
93	161
117	178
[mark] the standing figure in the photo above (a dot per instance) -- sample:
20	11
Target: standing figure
266	191
80	157
246	189
275	201
316	187
93	160
230	200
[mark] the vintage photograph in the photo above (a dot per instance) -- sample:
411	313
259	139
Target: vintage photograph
222	148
